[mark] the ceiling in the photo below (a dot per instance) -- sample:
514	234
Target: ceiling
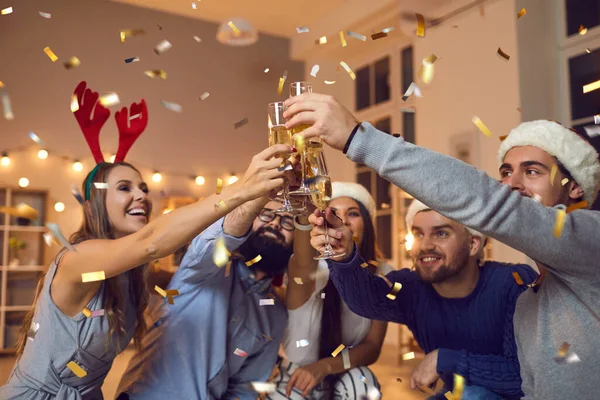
276	17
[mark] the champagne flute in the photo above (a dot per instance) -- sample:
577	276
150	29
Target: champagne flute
320	183
297	88
279	134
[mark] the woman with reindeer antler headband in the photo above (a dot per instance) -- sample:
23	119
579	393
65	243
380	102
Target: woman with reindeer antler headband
71	337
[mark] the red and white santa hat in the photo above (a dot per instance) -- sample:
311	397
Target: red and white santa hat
577	155
357	192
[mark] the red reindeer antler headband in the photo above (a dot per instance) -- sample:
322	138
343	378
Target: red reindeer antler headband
128	134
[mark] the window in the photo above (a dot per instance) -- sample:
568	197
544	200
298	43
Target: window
584	69
382	87
406	57
372	84
582	12
384	235
364	178
384	125
363	88
408	127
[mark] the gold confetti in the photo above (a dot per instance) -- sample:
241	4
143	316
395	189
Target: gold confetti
314	70
1	84
395	290
591	87
253	261
553	171
357	36
564	348
50	54
93	276
329	82
280	85
169	294
503	54
267	337
378	35
503	137
518	278
7	10
408	356
427	390
220	205
348	70
459	386
426	71
220	254
228	269
76	369
156	72
582	30
87	312
74	103
364	265
521	13
343	39
109	99
564	356
72	63
337	351
130	32
420	25
298	281
234	28
564	181
219	185
588	50
484	129
560	223
321	40
160	291
375	263
577	206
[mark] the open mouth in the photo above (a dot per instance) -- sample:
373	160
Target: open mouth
429	261
139	213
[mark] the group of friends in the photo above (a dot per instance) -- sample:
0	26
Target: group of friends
508	331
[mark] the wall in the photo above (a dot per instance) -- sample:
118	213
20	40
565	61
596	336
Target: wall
199	141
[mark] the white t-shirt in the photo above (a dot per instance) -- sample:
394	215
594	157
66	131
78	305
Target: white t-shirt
304	323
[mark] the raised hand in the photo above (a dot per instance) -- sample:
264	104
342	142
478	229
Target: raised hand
87	101
340	237
263	175
130	130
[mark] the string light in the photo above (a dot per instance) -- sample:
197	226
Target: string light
409	240
232	179
5	161
200	180
77	166
59	206
157	177
42	154
23	182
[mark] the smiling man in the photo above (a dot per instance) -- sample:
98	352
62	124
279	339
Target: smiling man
459	312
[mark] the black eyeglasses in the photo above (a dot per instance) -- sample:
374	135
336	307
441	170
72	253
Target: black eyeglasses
285	221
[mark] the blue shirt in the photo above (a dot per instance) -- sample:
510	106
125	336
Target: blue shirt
474	335
216	338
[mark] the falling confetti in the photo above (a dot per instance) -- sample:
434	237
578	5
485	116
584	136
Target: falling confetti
484	129
348	70
45	15
264	387
553	171
592	130
518	278
93	276
266	302
364	265
337	351
204	96
582	30
459	385
591	87
266	70
219	185
321	40
302	343
48	239
156	72
109	99
162	47
343	39
564	181
7	107
503	54
298	280
1	84
50	54
36	138
33	330
357	36
101	185
587	50
521	13
408	356
194	6
72	63
220	206
197	39
87	312
395	290
329	82
559	224
426	71
55	229
76	369
240	123
169	294
234	28
172	106
346	359
577	206
239	352
7	10
253	261
420	25
378	35
413	88
314	70
132	60
77	194
74	103
92	314
564	356
281	82
131	32
220	254
302	29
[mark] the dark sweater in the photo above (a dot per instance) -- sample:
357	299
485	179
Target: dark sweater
474	335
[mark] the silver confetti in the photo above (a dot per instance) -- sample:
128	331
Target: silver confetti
266	302
357	36
55	229
6	107
162	47
301	343
131	60
314	70
46	15
197	39
387	30
264	387
204	96
33	330
172	106
301	29
77	194
413	88
592	130
101	185
570	358
597	119
48	239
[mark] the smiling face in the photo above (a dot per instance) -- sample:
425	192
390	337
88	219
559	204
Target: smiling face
127	201
347	210
442	248
278	227
528	169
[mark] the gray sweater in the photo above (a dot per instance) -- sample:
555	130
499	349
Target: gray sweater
566	308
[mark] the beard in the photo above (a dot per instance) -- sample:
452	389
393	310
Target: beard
275	252
450	269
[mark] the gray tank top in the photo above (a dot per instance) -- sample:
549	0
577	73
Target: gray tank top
42	371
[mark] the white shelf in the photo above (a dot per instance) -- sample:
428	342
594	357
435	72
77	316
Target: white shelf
19	228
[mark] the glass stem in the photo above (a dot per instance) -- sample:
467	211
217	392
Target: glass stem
303	163
327	244
286	189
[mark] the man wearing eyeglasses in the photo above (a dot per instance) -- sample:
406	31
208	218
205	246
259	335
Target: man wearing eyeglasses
223	330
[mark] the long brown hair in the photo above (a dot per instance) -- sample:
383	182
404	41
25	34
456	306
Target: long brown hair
96	225
331	319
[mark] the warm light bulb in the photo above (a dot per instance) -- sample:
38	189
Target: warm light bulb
5	161
232	179
59	206
200	180
112	158
409	240
157	177
23	182
42	154
77	166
